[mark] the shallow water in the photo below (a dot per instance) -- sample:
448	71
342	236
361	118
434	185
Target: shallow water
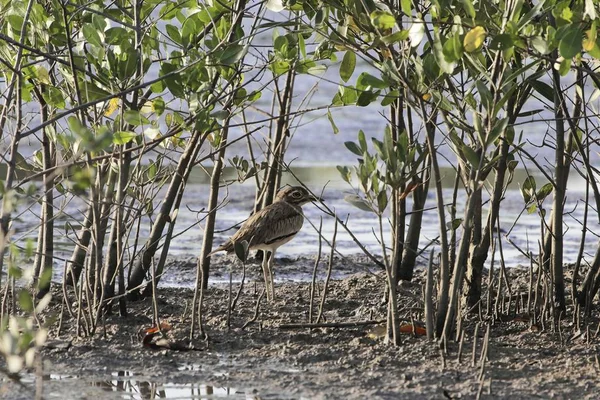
521	230
129	386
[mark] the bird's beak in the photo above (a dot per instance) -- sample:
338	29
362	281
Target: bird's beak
316	198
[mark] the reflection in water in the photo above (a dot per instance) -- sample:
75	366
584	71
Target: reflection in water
128	386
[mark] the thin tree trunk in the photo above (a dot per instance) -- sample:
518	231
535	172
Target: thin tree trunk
115	242
46	236
411	242
77	261
213	201
444	288
143	264
398	126
276	147
559	197
14	86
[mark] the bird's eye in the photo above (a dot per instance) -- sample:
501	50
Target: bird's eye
296	195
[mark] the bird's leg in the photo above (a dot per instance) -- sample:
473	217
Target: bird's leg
271	279
266	274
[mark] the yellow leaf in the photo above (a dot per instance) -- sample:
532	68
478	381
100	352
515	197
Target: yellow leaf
474	39
426	96
147	108
590	39
113	104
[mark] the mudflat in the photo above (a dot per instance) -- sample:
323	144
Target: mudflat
269	359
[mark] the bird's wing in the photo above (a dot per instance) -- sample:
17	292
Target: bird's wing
272	223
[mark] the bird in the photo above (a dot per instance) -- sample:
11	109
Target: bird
272	227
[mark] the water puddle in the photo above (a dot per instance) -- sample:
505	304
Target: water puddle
129	386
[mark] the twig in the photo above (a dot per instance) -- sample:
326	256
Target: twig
474	344
241	288
256	311
332	324
314	275
329	267
460	346
229	300
154	300
442	353
429	298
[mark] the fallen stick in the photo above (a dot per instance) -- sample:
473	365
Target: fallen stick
332	324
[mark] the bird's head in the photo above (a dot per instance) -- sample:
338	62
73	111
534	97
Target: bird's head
296	195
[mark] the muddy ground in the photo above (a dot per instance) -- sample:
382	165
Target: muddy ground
268	362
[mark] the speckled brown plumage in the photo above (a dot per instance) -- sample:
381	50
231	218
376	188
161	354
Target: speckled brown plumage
275	224
272	227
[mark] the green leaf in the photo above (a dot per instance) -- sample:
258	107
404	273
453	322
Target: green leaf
353	147
344	172
45	278
405	6
438	52
484	93
348	95
348	65
534	12
539	44
470	155
332	122
232	54
591	35
502	42
497	130
220	115
395	37
91	92
173	33
382	20
25	300
571	43
366	80
358	202
469	9
453	49
158	106
528	189
134	118
366	98
544	89
382	201
91	35
390	98
115	35
54	97
362	141
188	30
564	67
123	137
455	224
544	192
